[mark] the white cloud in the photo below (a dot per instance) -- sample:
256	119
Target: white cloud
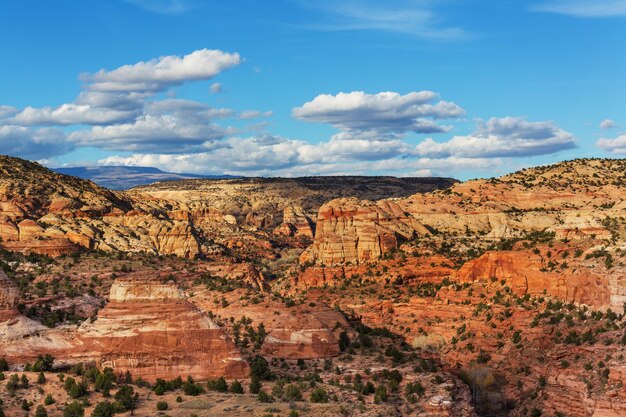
216	88
167	126
616	145
607	124
7	111
161	73
188	110
120	109
584	8
273	155
33	143
386	115
504	137
71	114
152	132
119	96
254	114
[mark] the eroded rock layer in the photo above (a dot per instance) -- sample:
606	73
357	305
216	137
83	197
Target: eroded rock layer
151	330
525	272
352	230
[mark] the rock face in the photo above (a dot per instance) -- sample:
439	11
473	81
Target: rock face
352	230
21	338
48	213
9	293
305	335
151	330
570	198
301	331
296	222
525	272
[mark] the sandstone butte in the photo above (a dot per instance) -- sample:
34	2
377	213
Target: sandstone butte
349	230
151	330
296	222
148	328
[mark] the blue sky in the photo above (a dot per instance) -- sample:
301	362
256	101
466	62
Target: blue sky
292	87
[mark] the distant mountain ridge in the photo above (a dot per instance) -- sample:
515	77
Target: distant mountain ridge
124	177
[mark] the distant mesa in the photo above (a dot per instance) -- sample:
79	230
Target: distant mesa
125	177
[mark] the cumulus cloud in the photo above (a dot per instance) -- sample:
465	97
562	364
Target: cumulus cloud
607	124
386	115
616	145
275	155
151	132
168	126
33	143
502	137
164	72
7	111
584	8
120	95
123	113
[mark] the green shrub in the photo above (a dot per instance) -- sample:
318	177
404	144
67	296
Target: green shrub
259	368
103	409
75	409
218	385
319	395
255	386
293	393
127	398
264	397
236	387
191	388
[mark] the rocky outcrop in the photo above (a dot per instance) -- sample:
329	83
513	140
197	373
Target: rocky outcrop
48	213
296	222
9	293
22	339
300	331
352	230
149	329
526	273
306	333
578	226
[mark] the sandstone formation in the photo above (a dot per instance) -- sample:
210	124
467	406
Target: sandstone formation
303	334
151	330
570	198
296	332
352	230
525	272
22	339
513	277
296	222
9	293
53	214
